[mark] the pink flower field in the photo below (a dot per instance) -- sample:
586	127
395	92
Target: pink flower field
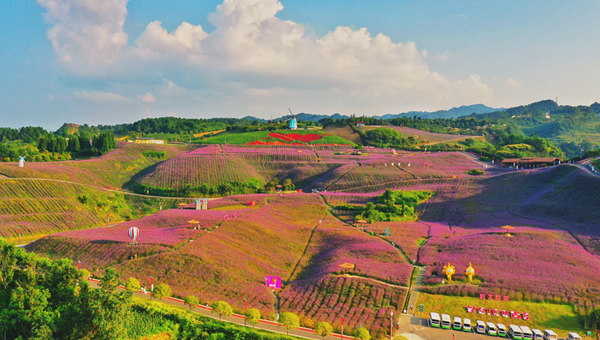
541	264
100	247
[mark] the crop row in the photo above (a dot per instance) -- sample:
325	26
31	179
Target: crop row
362	302
194	171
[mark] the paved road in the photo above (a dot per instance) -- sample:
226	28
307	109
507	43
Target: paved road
418	329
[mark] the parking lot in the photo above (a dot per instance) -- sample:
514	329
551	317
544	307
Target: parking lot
418	329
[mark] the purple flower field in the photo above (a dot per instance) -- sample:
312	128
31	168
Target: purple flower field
533	264
163	231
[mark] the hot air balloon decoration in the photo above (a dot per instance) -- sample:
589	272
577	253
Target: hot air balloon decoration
449	271
133	233
470	271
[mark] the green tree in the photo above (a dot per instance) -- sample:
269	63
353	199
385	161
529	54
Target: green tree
132	284
42	143
85	273
362	334
323	328
74	144
253	316
288	184
110	281
162	290
191	301
290	321
222	308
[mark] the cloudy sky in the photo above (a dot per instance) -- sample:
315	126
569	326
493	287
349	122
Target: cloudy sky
115	61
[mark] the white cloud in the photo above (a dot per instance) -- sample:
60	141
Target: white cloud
185	41
98	96
444	56
147	98
253	54
86	33
512	83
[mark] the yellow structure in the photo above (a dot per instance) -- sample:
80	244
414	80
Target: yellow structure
147	141
449	271
470	272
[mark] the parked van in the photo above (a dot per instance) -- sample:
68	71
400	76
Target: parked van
457	324
550	335
446	323
480	327
537	334
434	320
514	332
467	325
491	329
527	333
502	331
573	336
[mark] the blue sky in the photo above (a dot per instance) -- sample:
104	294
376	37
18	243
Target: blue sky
116	61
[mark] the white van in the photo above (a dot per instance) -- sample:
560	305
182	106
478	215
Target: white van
550	335
514	332
527	333
480	327
502	331
491	329
446	323
537	334
434	320
457	324
573	336
467	325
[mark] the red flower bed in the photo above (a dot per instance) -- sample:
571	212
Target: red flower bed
290	137
260	142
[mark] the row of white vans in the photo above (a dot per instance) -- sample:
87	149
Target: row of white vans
513	332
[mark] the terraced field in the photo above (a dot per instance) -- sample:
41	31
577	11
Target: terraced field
553	253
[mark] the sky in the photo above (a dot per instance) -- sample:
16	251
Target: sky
118	61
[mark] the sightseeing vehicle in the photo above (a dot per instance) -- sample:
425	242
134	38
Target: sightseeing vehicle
467	325
502	331
550	335
457	323
514	332
537	334
527	333
434	320
480	327
491	329
446	322
573	336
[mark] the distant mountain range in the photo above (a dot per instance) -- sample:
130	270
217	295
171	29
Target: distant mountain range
454	112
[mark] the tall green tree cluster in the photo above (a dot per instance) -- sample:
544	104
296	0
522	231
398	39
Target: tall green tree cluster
45	299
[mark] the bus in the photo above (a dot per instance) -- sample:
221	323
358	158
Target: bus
537	334
457	323
480	327
573	336
446	323
502	331
434	320
527	333
491	329
514	332
467	325
550	335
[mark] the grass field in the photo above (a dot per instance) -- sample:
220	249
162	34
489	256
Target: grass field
560	318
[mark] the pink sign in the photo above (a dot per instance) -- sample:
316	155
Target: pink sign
273	282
